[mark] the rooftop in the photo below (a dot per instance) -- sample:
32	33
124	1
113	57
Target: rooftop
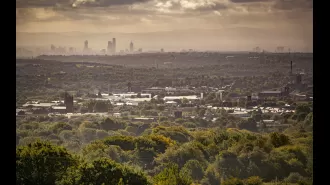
171	102
59	107
191	97
141	118
239	112
271	92
268	120
39	104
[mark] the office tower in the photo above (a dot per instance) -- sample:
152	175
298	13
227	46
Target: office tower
298	79
129	87
110	47
68	101
131	47
52	47
86	45
113	45
178	114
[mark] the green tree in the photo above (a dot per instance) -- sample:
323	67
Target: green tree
97	149
170	175
294	178
109	124
303	108
194	169
249	124
253	180
185	101
107	172
41	163
278	139
58	127
309	119
232	181
124	142
201	112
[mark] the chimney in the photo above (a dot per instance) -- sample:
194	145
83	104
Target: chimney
291	68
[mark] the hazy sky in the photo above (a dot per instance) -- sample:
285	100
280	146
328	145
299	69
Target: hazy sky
131	16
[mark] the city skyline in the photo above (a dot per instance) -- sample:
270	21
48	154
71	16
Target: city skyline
276	21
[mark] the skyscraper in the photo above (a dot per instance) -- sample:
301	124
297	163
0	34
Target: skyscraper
52	47
110	47
86	45
68	101
131	47
113	45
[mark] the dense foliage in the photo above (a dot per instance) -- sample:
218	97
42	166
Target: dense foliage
97	150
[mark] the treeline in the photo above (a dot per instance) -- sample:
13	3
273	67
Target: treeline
172	155
167	151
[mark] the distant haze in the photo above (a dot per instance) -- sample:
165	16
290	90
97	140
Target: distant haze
227	25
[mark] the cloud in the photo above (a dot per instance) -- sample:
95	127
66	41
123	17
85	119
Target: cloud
212	7
160	14
74	3
188	7
248	1
217	13
42	3
293	4
104	3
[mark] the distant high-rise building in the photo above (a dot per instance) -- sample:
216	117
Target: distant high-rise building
129	87
86	45
131	47
68	101
71	49
114	45
178	114
162	50
110	47
52	47
298	79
